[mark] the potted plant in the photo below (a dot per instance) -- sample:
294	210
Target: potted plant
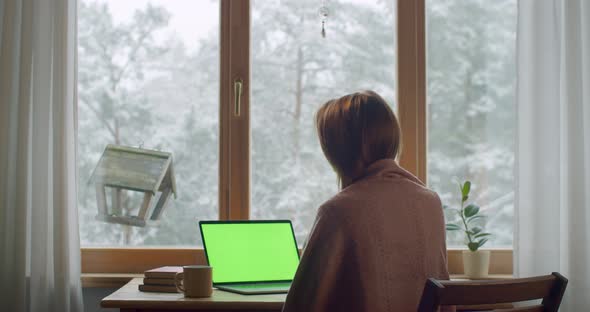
475	261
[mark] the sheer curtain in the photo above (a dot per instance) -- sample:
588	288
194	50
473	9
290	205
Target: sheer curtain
553	157
39	243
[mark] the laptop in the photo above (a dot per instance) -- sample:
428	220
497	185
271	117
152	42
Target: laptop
251	257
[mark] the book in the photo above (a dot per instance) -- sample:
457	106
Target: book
158	281
158	288
168	272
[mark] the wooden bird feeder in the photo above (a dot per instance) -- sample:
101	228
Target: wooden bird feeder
123	168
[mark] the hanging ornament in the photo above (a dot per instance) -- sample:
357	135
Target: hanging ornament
323	13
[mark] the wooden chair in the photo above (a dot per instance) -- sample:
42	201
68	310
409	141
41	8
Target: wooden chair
550	288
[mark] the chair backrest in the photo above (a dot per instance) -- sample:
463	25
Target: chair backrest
550	288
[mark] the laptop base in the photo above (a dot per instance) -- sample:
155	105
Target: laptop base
256	289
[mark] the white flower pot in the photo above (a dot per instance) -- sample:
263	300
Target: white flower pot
476	263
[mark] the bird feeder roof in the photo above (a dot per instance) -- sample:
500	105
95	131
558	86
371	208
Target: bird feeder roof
135	169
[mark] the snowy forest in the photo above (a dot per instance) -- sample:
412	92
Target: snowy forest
141	84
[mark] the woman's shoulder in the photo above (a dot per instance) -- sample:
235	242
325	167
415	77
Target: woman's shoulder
380	190
339	208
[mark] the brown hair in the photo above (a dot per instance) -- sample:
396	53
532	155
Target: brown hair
355	131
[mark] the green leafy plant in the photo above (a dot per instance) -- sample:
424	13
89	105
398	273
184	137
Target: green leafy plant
468	214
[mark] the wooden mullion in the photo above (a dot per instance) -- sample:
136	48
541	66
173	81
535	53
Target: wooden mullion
240	132
411	84
235	145
224	114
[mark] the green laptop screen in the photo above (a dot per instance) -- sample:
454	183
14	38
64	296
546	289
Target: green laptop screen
250	252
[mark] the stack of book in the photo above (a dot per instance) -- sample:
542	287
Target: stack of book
160	279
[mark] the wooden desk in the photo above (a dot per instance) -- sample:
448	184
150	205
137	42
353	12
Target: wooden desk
130	299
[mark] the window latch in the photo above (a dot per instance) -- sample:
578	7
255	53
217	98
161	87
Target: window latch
238	85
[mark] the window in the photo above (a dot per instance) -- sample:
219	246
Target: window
294	71
162	74
148	75
471	110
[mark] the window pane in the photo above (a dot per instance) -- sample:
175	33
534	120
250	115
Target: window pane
471	121
294	71
148	76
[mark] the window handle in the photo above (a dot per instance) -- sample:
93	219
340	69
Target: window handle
238	85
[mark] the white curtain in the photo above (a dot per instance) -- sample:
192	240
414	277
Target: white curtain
553	144
39	242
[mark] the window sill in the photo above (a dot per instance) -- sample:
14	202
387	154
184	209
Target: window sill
138	260
107	280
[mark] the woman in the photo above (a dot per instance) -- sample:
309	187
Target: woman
375	243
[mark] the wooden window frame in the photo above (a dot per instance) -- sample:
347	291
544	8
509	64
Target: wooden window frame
234	142
138	260
411	84
234	131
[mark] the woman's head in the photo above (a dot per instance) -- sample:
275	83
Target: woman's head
355	131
